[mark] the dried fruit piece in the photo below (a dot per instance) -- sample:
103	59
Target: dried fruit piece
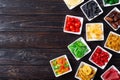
72	24
60	65
111	74
91	9
85	72
114	25
94	31
111	1
79	48
113	19
113	42
72	3
109	19
100	57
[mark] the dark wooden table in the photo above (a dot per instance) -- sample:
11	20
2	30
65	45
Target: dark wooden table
31	34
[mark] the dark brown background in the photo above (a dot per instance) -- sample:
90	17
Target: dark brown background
31	34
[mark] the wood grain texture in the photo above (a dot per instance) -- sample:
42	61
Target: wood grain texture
31	34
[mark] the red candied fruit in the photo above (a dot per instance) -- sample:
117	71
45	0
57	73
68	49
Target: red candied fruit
111	74
73	24
100	57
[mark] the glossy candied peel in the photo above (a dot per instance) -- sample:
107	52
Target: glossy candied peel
94	31
86	72
113	42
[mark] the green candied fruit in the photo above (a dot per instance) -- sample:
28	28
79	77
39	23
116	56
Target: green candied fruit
56	67
116	1
78	48
54	62
111	1
56	73
66	65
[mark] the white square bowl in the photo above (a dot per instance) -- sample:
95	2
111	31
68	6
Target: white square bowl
81	64
68	63
101	34
108	70
107	40
79	18
107	5
102	67
71	7
115	8
89	50
89	19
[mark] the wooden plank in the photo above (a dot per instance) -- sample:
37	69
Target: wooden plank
35	39
32	23
25	72
21	57
31	7
17	7
24	64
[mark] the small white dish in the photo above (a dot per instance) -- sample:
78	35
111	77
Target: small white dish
107	5
107	40
96	31
73	4
79	18
108	70
89	50
102	67
109	14
89	19
67	61
81	64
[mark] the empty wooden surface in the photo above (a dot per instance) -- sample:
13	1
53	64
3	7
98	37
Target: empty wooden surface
31	34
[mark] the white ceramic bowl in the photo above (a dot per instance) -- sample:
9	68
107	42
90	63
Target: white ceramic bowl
68	63
79	18
102	67
107	40
107	5
101	34
108	22
70	6
89	19
108	70
89	50
81	64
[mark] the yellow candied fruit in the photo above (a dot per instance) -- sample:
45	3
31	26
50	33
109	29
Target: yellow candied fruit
72	3
86	72
113	42
94	31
